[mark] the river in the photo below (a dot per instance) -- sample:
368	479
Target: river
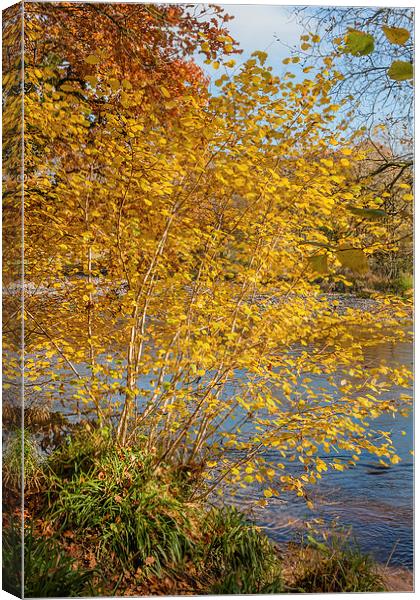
376	503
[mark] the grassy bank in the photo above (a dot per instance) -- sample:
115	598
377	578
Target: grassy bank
103	520
369	284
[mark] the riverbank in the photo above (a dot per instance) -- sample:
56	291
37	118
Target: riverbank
311	569
104	520
111	521
397	579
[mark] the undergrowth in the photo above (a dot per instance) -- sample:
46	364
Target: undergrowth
20	445
110	521
335	566
134	521
48	570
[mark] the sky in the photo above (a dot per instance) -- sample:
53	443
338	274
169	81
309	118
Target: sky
273	29
256	27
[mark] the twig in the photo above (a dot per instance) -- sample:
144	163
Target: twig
392	552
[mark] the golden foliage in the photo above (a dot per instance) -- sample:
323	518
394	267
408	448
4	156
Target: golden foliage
172	263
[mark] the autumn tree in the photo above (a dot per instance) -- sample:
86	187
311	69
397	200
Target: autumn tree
175	248
372	51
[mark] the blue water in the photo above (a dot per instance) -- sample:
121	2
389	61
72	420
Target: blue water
376	504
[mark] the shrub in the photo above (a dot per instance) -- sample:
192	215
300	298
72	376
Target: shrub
402	284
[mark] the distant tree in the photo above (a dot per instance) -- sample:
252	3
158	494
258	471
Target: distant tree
373	50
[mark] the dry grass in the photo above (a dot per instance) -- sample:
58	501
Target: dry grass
397	579
336	567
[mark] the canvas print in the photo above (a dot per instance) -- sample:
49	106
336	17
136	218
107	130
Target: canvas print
207	299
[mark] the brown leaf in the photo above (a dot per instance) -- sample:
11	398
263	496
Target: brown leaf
47	530
150	560
118	499
73	550
92	561
68	534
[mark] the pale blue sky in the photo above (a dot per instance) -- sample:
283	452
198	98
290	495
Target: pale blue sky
256	27
273	29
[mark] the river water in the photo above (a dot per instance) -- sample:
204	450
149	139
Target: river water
375	503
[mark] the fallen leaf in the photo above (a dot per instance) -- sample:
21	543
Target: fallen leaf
92	561
68	534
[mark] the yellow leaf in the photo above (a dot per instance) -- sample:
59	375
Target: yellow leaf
354	259
92	59
114	84
92	81
67	87
407	197
164	92
396	35
319	263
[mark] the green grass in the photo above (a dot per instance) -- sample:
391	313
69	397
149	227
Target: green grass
239	556
49	571
22	445
337	566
